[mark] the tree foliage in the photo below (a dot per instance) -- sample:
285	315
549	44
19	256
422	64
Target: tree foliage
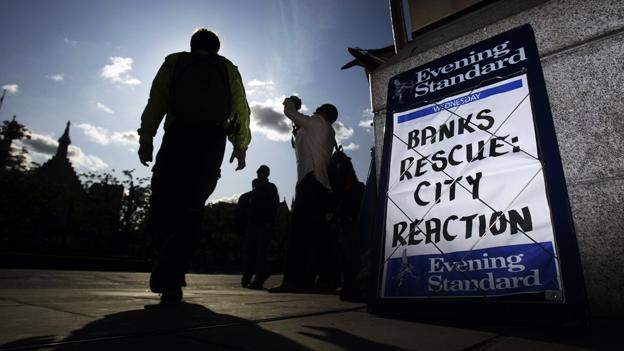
13	158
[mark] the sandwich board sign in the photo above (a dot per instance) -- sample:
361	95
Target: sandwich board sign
474	205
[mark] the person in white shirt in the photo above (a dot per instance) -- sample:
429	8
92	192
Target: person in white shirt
314	143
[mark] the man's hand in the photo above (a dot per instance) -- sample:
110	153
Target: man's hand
289	104
145	153
239	155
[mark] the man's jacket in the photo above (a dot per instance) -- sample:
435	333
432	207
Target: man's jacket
263	203
158	105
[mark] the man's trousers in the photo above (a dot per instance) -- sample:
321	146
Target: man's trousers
184	176
309	241
255	251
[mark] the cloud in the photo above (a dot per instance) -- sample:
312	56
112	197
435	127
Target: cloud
261	89
232	199
267	118
11	88
83	161
103	136
351	146
118	71
40	147
259	83
39	143
129	137
367	122
70	42
56	77
104	108
98	135
342	131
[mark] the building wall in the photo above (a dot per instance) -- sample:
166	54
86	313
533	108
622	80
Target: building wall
581	46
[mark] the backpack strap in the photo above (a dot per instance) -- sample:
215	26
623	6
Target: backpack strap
337	147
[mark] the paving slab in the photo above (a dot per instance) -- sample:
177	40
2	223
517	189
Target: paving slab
356	330
24	322
152	343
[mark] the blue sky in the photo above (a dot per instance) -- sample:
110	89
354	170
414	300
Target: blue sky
92	62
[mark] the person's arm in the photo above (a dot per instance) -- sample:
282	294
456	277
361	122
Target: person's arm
158	101
155	110
240	135
290	110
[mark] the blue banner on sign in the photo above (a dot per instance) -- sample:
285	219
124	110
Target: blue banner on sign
462	100
484	272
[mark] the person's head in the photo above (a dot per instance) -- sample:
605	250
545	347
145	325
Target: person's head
204	39
328	111
263	172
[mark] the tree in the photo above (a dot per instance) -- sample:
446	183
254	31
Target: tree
134	210
135	204
9	131
90	178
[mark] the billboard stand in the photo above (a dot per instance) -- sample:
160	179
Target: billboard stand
475	219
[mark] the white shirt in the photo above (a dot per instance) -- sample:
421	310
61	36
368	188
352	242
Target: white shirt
314	144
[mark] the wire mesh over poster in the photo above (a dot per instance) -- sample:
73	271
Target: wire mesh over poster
469	213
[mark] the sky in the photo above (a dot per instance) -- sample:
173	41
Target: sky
92	63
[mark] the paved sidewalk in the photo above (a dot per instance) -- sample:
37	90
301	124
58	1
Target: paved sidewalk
71	310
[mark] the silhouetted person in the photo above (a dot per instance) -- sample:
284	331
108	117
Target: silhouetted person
262	210
241	212
204	99
241	216
314	142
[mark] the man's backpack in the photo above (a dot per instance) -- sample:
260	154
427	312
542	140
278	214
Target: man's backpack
340	171
200	90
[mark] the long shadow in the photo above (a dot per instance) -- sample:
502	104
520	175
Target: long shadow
183	326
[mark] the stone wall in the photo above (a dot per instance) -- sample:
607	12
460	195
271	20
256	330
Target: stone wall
581	46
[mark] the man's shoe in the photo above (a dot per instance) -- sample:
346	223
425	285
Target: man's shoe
171	296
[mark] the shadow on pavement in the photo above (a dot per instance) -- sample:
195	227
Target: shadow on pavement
185	326
348	341
156	327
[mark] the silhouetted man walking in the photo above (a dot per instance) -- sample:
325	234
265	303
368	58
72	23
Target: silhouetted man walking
262	210
203	97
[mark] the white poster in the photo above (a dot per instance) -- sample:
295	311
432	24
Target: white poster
467	213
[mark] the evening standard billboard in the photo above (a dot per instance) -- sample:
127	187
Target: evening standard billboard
474	205
469	214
